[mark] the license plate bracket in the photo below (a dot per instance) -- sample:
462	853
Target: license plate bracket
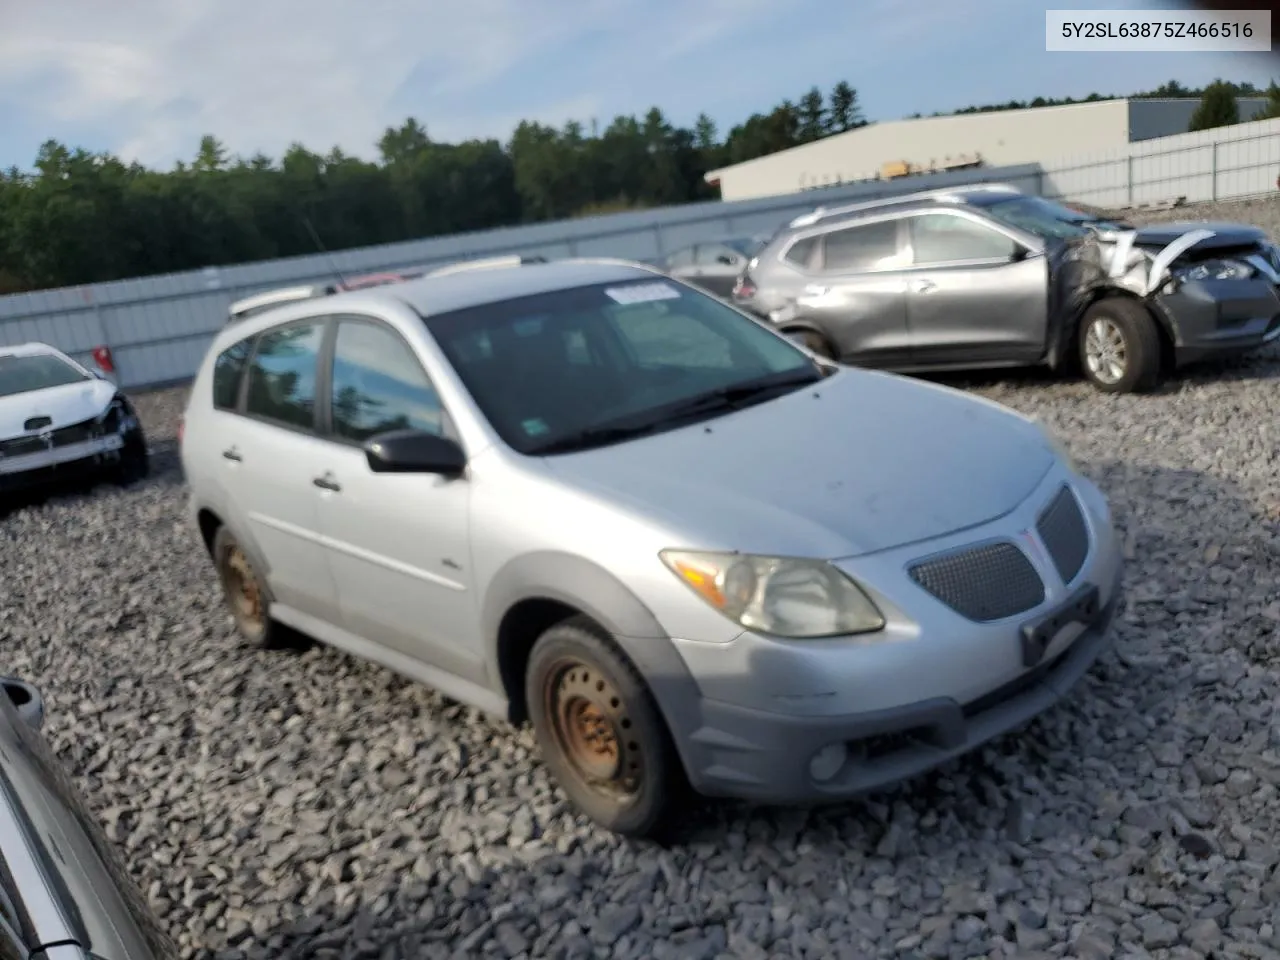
1080	609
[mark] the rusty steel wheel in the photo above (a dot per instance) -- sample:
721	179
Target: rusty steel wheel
593	730
243	592
247	597
600	731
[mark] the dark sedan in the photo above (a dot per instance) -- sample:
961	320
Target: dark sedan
64	894
713	265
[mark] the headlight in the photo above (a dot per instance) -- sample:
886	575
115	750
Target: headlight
785	597
1218	270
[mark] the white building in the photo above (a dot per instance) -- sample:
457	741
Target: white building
1034	135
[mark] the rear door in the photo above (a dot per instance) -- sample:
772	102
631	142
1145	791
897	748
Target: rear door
974	293
856	293
269	454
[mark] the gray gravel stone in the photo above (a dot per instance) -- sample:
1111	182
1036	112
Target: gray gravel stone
305	804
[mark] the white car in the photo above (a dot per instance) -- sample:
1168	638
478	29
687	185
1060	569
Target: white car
59	420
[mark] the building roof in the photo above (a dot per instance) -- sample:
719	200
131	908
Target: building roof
713	176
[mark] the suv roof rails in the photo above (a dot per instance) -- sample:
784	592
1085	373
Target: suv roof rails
248	306
940	194
484	263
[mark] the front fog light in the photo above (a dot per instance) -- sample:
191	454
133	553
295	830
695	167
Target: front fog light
828	761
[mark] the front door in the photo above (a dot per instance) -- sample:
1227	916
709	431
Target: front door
974	294
398	544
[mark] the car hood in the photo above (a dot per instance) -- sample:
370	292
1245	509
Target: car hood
859	463
64	405
1224	234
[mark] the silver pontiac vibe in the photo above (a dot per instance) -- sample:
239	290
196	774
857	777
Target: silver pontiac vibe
588	496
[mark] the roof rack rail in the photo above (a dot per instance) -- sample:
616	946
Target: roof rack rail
485	263
940	194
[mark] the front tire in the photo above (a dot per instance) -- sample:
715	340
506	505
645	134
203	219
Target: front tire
600	732
815	343
1119	346
134	464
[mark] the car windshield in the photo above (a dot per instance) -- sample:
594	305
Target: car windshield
24	372
593	365
1046	219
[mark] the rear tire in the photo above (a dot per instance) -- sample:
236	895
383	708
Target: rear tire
248	599
600	732
1119	346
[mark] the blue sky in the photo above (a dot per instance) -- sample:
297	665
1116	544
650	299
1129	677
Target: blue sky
146	78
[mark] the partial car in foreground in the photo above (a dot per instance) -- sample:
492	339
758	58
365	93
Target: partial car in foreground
586	495
987	276
64	893
59	420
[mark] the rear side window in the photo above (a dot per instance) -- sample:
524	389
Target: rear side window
871	246
801	252
282	376
227	371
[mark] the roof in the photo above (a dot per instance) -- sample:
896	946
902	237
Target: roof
942	195
470	288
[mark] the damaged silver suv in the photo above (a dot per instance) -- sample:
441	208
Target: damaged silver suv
987	276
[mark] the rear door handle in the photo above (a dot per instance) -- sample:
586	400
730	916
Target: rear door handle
813	290
231	453
925	286
327	483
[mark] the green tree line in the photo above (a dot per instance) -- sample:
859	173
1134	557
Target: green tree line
83	217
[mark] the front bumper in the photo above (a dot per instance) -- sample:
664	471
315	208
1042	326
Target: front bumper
933	687
56	464
1213	318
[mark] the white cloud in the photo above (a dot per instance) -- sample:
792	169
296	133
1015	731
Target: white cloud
260	74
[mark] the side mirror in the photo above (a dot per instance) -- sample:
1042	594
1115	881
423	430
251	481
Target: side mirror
26	700
725	259
414	451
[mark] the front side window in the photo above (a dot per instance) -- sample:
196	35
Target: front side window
227	371
23	373
870	246
945	238
282	376
378	384
596	364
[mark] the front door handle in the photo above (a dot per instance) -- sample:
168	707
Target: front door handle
327	483
231	453
925	286
815	290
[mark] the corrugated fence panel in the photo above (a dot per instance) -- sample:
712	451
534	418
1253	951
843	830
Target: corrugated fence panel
159	327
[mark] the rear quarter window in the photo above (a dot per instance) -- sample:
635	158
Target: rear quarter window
228	371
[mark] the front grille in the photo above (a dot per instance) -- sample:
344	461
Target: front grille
1062	528
62	437
984	583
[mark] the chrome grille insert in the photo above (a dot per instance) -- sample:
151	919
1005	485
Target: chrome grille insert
983	583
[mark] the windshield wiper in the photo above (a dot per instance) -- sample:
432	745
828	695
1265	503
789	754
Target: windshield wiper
730	397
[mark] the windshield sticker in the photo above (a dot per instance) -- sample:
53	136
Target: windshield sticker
642	293
535	427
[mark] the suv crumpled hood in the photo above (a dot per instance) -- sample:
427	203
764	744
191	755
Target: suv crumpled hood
859	463
64	405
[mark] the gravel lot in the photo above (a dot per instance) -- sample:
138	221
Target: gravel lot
309	805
